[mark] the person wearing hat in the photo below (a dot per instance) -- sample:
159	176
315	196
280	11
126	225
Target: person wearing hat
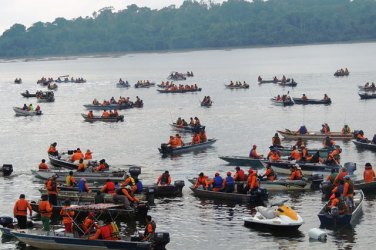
20	211
164	179
229	183
70	181
253	154
269	173
240	177
252	181
368	174
201	181
51	186
52	149
109	187
296	173
276	141
348	193
216	182
67	216
88	155
129	181
43	166
274	154
45	211
83	187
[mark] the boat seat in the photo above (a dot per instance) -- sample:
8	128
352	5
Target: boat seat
267	212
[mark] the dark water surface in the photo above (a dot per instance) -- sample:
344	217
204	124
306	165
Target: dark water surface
238	118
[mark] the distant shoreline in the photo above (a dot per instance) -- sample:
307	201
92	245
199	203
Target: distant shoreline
120	54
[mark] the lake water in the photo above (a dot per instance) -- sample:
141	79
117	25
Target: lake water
238	118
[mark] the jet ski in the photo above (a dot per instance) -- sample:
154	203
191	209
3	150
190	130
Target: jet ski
276	217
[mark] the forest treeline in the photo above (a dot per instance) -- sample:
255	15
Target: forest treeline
196	25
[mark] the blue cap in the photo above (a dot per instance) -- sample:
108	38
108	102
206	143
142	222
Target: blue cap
347	177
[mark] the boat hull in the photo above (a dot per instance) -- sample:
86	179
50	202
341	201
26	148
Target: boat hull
364	145
20	112
108	107
179	90
287	134
187	128
244	161
119	118
367	96
186	148
282	103
283	167
312	101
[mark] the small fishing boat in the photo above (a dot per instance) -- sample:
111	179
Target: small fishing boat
119	118
144	85
244	161
178	90
241	86
367	96
258	197
109	106
176	76
167	150
288	84
206	104
366	187
191	129
122	84
273	81
18	81
314	135
312	101
21	112
277	217
364	145
339	73
286	151
45	96
284	166
63	160
27	94
59	239
286	102
6	170
98	177
52	86
368	88
333	219
8	225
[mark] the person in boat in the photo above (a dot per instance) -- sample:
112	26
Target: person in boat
179	122
102	166
185	123
115	113
95	101
302	130
326	97
121	81
304	97
239	176
30	108
253	154
149	229
37	108
77	155
81	166
275	79
360	137
278	98
296	173
346	71
70	181
52	149
373	85
269	173
201	181
295	155
252	181
67	217
366	85
105	114
283	79
20	211
299	143
197	123
43	166
88	155
196	139
304	154
179	141
191	122
89	224
259	78
336	201
52	189
130	181
83	187
332	176
328	142
172	142
348	193
164	179
374	139
316	158
346	130
24	107
368	174
45	211
109	187
127	192
99	197
274	155
228	183
331	161
276	141
203	137
324	129
216	183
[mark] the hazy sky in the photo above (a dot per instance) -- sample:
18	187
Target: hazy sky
27	12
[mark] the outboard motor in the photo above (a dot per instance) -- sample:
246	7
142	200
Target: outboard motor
6	221
160	240
7	169
350	166
149	192
164	148
179	183
316	180
334	211
134	171
70	152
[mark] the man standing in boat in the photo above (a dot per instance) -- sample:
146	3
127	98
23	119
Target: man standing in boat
20	211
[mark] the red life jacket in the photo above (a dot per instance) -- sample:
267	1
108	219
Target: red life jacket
110	187
106	232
